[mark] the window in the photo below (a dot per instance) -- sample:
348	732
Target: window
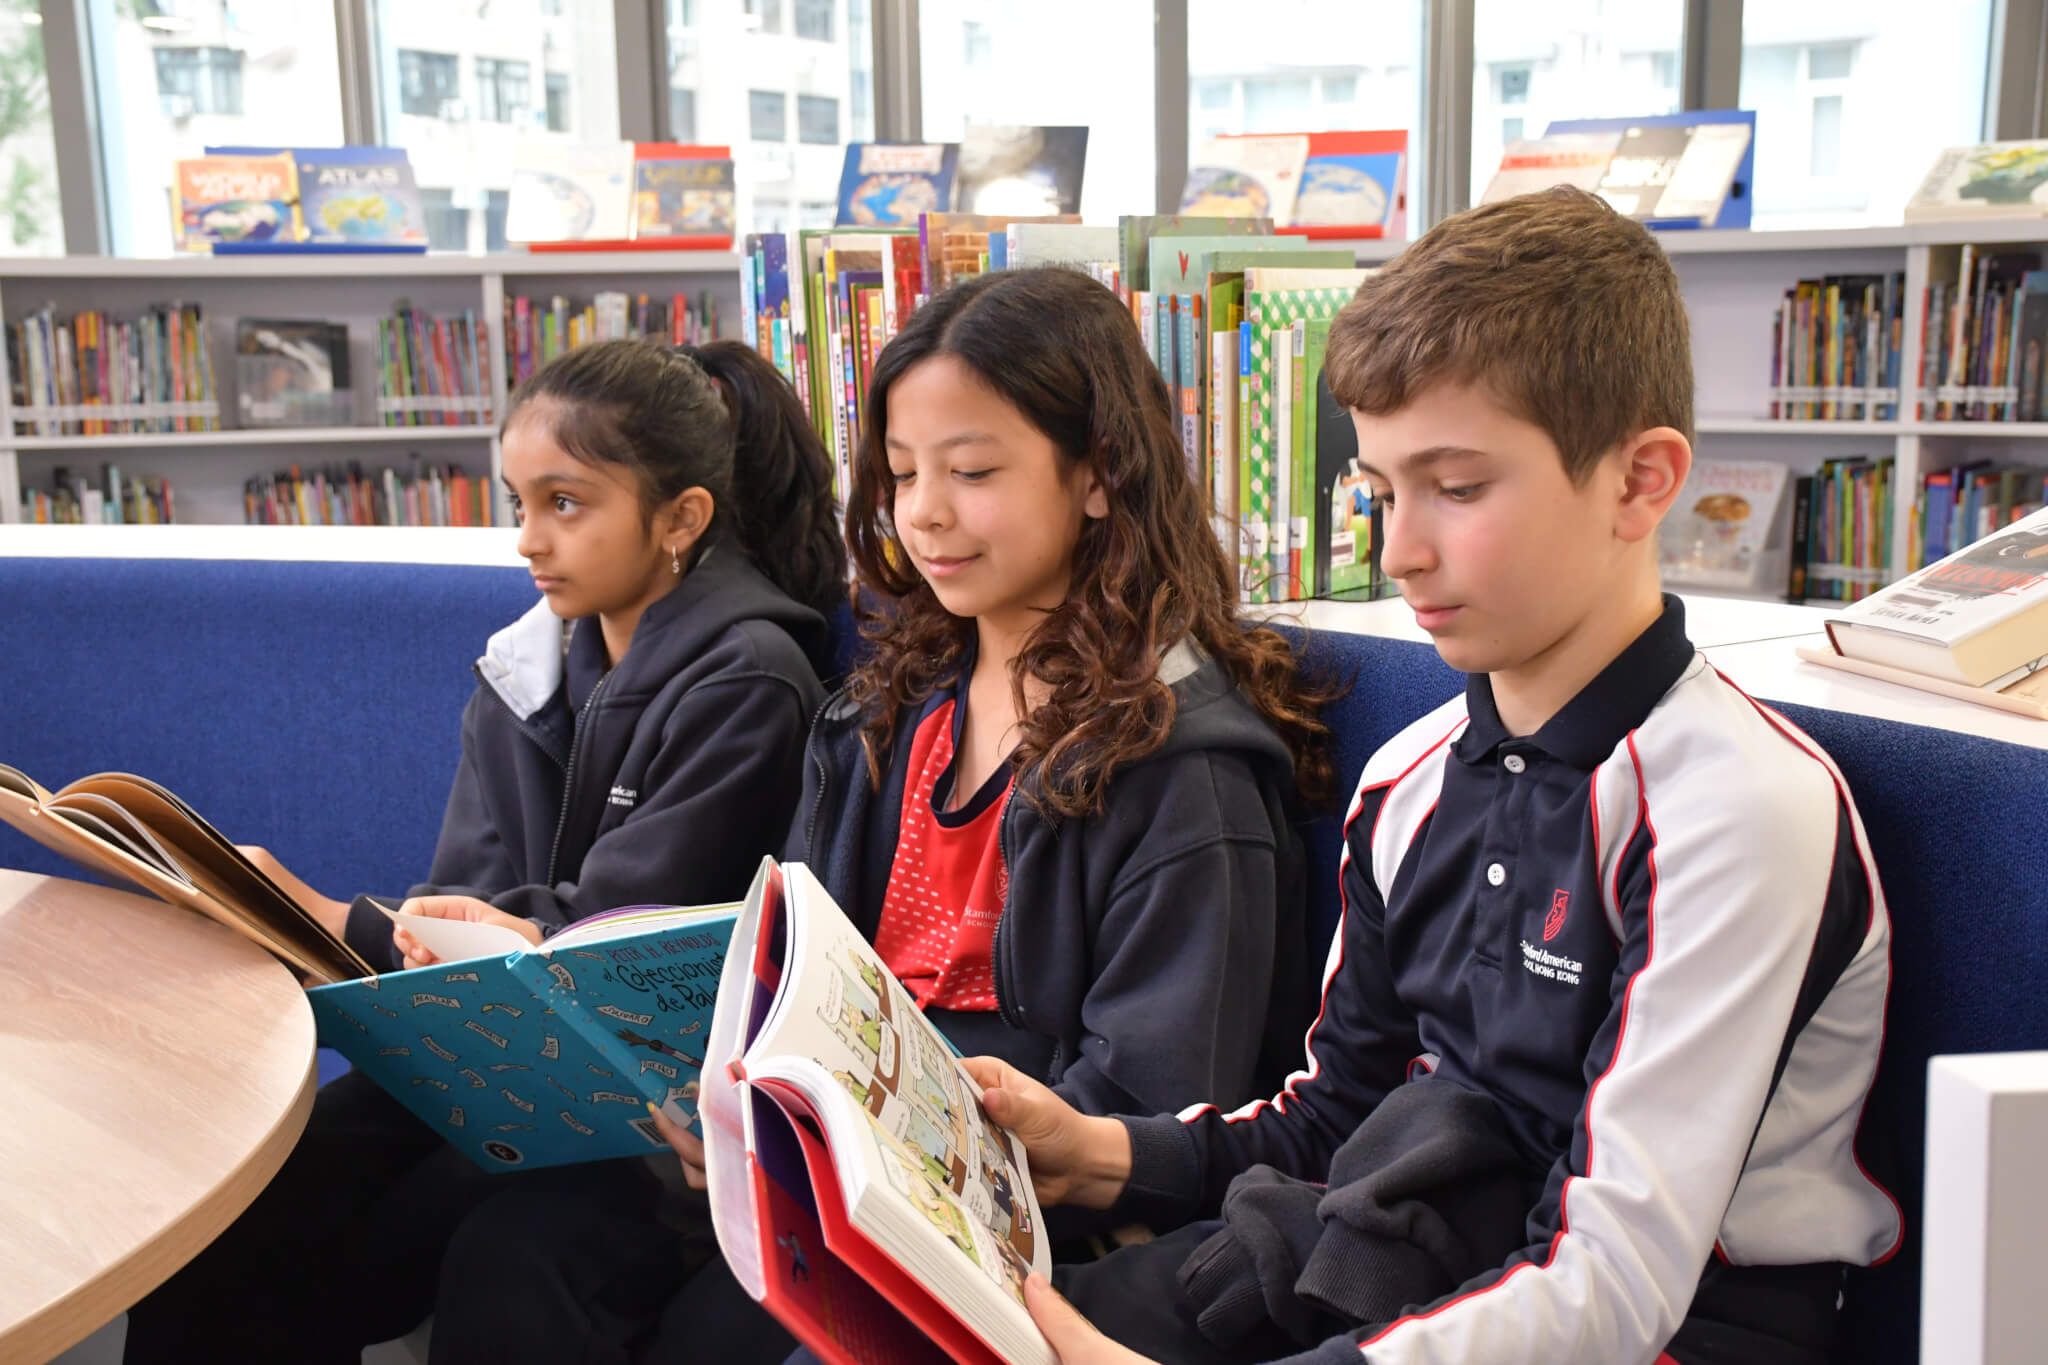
1852	105
198	80
1827	136
817	120
172	78
1254	75
534	78
814	19
682	13
819	213
682	114
767	116
558	102
447	226
503	94
427	82
1510	130
1538	62
765	16
980	47
31	217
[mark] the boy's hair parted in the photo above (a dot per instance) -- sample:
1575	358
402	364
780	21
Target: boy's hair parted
1566	312
1061	349
717	417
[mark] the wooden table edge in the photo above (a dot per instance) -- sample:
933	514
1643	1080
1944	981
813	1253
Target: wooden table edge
64	1322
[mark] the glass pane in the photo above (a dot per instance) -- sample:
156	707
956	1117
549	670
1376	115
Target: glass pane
184	75
1534	61
461	85
1256	77
1853	101
986	63
33	219
786	84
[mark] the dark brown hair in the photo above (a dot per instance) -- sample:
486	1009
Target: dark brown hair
1062	351
717	417
1566	312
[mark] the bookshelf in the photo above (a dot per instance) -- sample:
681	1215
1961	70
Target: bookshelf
208	469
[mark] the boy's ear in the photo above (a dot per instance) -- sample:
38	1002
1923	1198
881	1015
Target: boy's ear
1654	464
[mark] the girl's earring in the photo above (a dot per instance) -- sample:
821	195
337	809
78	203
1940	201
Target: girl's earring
675	561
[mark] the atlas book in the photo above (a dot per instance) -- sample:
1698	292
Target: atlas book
524	1056
234	199
859	1190
360	196
1354	184
1246	177
1977	618
890	184
137	831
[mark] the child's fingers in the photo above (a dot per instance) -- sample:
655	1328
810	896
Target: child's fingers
1072	1337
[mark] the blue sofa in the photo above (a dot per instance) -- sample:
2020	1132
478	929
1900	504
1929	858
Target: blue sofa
311	707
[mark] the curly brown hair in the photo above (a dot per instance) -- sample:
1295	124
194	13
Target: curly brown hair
1059	348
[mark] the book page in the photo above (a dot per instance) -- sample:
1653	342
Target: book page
927	1138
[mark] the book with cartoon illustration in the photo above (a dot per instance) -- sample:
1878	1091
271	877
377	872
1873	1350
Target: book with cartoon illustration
526	1056
859	1190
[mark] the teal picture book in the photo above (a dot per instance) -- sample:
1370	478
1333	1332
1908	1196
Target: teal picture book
526	1056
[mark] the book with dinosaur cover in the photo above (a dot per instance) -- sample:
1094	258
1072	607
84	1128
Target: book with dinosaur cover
133	829
525	1056
858	1188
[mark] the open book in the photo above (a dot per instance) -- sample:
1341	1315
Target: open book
524	1056
131	828
858	1188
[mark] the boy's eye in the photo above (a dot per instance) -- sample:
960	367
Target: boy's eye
1463	492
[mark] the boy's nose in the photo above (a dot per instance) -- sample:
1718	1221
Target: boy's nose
1406	550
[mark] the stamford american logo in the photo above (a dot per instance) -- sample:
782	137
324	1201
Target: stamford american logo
1550	966
1553	923
624	796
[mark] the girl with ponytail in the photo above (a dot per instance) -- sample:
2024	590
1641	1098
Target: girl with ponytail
637	737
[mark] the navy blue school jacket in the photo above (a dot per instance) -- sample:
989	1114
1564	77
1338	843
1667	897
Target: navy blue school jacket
1144	956
664	780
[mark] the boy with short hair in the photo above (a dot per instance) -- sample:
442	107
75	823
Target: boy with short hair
1607	995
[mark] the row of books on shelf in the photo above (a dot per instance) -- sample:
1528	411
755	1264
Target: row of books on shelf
1291	507
1842	530
431	371
647	194
538	330
420	495
1983	333
1836	348
92	374
114	500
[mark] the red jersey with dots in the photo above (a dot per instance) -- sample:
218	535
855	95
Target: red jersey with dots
948	882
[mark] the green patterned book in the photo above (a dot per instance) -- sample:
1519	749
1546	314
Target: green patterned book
1275	299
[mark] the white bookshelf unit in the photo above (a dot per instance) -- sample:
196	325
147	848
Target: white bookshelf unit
208	468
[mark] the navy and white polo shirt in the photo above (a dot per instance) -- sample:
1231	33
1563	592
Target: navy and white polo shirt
1653	932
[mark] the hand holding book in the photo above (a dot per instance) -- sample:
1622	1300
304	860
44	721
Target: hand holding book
1075	1158
416	942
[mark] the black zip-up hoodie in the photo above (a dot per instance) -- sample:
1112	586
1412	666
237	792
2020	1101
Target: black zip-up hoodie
1146	958
664	780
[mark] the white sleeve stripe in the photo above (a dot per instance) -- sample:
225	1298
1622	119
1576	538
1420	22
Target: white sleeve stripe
1799	740
1313	1065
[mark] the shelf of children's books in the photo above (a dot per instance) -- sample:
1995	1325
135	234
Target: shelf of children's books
250	436
1781	426
382	266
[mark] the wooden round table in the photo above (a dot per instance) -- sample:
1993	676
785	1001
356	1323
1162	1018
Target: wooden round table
155	1070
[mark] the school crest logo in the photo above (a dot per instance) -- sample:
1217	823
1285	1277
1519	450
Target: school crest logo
1553	923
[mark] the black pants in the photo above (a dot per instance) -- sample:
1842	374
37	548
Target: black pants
1775	1315
544	1275
343	1249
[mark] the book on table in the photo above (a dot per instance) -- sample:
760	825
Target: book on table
1977	618
859	1190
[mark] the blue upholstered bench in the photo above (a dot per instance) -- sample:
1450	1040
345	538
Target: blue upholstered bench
311	707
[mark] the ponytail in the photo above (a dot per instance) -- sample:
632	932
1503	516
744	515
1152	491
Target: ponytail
716	417
781	479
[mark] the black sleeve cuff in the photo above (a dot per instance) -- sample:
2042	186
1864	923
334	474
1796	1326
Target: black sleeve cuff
369	933
1165	1186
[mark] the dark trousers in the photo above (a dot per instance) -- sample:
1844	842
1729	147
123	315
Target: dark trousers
544	1275
344	1248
